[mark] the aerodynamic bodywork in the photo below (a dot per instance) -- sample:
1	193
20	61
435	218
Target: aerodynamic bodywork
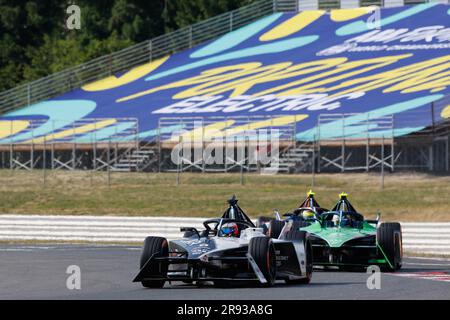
229	249
342	237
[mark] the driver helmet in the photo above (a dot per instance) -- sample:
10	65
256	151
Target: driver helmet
335	219
229	230
308	214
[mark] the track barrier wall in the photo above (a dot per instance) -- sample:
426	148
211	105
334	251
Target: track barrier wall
418	237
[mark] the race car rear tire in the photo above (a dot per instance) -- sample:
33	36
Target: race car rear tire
275	228
295	234
159	247
263	252
389	238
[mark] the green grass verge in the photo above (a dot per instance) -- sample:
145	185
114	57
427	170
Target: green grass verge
416	197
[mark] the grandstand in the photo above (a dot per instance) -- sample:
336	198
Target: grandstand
347	86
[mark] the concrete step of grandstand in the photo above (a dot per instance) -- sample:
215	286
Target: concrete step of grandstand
289	160
144	152
275	168
297	156
134	160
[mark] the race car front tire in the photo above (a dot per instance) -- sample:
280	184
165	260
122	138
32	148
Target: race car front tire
157	247
389	239
263	252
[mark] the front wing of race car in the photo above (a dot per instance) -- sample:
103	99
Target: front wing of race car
361	252
232	265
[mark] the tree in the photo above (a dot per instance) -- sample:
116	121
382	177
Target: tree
34	41
181	13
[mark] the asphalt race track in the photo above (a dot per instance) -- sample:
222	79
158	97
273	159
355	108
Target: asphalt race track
39	272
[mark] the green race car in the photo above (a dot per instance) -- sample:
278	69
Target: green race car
342	237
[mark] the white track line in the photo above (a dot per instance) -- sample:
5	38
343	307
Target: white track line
429	258
427	264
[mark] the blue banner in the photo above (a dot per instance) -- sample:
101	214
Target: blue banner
370	61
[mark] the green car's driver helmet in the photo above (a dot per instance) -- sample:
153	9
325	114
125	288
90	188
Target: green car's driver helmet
335	219
308	214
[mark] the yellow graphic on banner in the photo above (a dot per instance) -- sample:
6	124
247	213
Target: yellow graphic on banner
223	129
74	131
274	122
334	75
9	128
425	75
130	76
292	25
340	15
216	74
446	112
313	80
203	132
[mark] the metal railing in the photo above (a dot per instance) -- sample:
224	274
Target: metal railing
341	126
240	145
96	144
199	128
329	4
83	131
285	5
